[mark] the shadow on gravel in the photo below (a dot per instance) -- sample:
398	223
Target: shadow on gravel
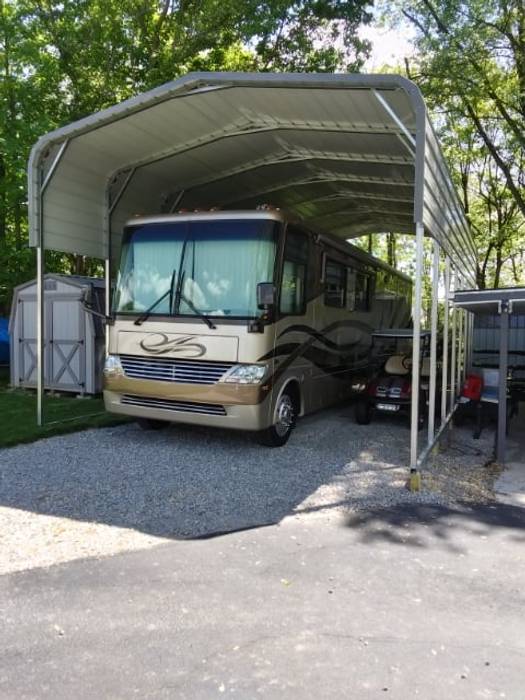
428	525
190	482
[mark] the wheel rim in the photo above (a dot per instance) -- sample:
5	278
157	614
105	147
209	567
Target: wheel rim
284	415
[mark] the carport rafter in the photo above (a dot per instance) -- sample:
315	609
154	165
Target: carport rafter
294	156
317	179
254	128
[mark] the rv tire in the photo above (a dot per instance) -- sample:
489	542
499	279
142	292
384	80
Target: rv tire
286	415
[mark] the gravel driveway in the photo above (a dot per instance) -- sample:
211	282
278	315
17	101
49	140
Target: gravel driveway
104	491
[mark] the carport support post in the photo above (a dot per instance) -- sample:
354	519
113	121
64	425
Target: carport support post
461	349
40	262
453	354
433	344
503	368
415	478
444	369
40	186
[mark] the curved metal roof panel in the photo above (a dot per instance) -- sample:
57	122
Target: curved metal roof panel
349	154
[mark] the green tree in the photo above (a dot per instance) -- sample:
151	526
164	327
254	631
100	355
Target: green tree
64	59
469	62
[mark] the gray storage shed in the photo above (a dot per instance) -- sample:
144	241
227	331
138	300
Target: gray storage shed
74	338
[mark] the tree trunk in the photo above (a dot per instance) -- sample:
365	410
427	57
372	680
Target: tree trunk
499	265
391	249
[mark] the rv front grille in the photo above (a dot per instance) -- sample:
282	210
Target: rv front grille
208	409
164	369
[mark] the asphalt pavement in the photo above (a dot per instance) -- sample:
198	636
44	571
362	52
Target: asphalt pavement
403	602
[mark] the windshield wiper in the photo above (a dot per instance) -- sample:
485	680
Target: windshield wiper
180	295
145	314
197	311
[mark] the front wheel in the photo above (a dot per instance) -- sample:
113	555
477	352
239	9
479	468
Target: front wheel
285	418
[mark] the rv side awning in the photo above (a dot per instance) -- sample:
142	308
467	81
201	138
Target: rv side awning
348	154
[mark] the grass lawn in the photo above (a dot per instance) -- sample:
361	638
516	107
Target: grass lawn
18	414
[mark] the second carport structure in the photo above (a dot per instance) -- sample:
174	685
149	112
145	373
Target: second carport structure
347	154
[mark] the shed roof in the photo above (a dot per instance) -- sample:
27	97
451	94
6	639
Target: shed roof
490	301
348	154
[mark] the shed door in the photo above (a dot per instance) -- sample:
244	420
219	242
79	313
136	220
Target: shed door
26	326
67	370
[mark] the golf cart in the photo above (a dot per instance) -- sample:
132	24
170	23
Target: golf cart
390	389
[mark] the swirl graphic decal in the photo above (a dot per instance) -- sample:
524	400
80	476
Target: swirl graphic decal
160	344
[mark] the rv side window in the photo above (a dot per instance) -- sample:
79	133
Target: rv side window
335	284
362	284
293	285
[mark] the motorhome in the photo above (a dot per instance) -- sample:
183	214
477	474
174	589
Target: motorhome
242	319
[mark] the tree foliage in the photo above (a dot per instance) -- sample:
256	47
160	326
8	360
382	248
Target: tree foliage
61	60
470	64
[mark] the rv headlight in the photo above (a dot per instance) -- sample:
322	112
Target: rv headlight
112	366
245	374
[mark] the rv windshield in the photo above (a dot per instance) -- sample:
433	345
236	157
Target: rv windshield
217	265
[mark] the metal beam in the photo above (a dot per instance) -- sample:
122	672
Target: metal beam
251	128
395	118
43	182
444	369
40	326
356	194
322	177
459	366
290	156
433	343
416	347
453	352
502	392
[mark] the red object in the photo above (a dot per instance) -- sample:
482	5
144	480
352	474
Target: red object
472	387
372	388
406	389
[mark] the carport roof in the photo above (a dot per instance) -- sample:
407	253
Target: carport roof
490	301
348	154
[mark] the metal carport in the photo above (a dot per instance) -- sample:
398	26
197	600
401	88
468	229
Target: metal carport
349	154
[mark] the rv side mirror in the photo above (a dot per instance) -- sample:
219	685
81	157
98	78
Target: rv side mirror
265	295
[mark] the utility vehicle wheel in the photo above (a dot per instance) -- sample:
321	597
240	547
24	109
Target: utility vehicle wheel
285	418
363	413
151	424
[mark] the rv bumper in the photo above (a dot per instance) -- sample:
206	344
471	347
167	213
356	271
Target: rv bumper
251	417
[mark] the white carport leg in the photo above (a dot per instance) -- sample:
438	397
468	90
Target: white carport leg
40	187
107	295
466	336
433	344
470	340
453	352
40	347
461	349
444	368
416	348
